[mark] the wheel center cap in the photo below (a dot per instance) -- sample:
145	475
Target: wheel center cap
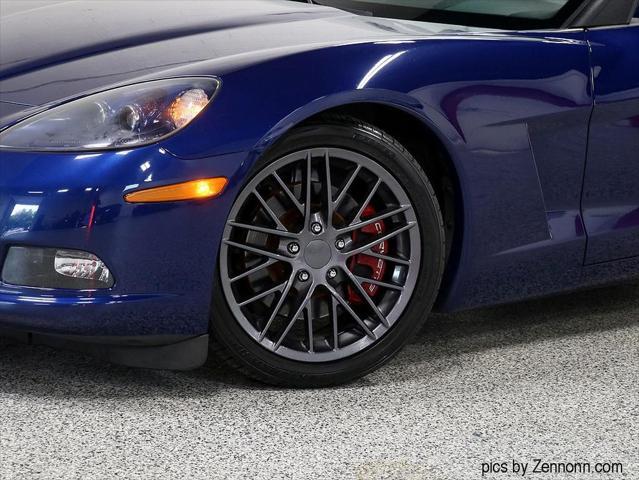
317	254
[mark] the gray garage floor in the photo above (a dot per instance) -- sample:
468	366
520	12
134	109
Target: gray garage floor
552	379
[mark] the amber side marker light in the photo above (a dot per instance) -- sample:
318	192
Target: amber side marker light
193	190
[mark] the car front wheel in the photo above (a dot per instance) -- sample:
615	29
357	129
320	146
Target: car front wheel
331	257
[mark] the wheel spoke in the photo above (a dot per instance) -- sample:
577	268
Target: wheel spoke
329	190
309	325
390	286
270	231
295	316
377	218
358	216
269	210
334	321
378	313
278	305
399	261
307	201
289	193
346	186
259	267
258	251
383	238
259	296
351	312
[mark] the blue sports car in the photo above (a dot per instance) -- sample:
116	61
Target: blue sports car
292	186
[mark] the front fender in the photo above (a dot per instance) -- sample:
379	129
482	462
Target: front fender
502	120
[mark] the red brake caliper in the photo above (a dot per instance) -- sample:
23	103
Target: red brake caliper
376	266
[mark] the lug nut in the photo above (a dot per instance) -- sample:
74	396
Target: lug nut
293	248
340	244
316	228
303	276
332	273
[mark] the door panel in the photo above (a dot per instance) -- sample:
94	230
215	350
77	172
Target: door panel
611	188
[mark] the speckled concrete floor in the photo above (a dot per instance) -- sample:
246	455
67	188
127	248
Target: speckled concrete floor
554	379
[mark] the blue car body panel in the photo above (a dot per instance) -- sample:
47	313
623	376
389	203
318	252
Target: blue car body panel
611	188
525	117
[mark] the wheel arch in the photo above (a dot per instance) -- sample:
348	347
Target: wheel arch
400	116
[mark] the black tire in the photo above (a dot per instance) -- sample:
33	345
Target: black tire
235	347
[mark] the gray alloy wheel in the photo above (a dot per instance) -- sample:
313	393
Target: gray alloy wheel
320	255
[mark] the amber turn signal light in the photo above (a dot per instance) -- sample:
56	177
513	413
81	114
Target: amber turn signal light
193	190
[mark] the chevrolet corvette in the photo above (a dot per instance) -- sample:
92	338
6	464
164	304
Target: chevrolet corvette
291	187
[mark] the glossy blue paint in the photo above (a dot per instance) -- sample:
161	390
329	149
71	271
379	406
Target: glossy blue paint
149	248
611	188
512	109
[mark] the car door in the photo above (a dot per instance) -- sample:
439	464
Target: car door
610	201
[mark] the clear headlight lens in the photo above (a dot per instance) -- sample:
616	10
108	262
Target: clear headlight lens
123	117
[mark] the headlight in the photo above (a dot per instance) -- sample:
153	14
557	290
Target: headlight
123	117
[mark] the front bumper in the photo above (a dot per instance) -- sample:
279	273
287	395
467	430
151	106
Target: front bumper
162	256
170	352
